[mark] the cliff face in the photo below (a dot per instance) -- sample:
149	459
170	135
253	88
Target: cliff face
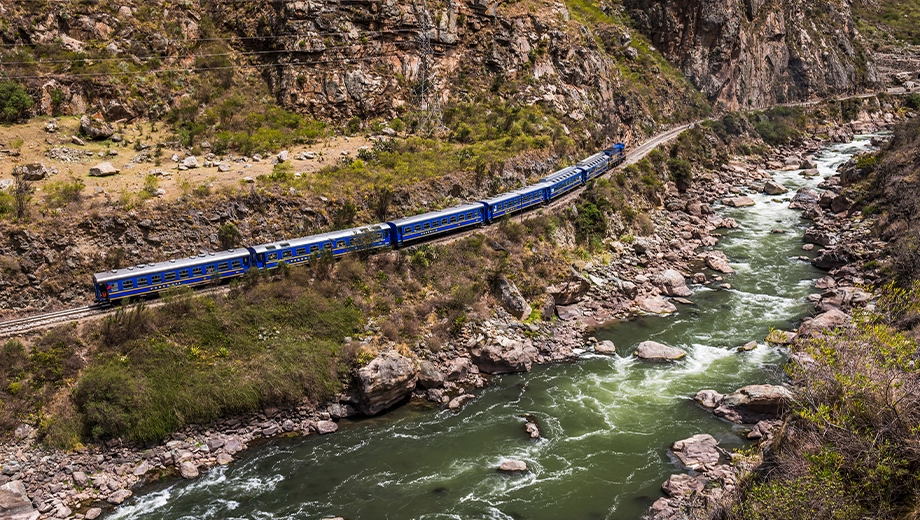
753	53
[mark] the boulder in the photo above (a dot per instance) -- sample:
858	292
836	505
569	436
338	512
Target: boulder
32	172
190	162
549	307
103	169
15	503
457	403
605	347
233	445
95	127
429	376
655	305
829	320
326	427
682	484
511	298
121	495
223	167
672	283
570	291
80	479
513	466
654	351
747	347
141	469
804	197
385	381
460	369
224	458
774	188
833	258
495	358
708	398
818	237
717	261
841	203
92	513
754	403
738	202
188	469
697	451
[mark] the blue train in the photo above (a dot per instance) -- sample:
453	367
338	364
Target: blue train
207	268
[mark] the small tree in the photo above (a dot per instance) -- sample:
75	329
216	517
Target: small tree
229	235
22	194
14	102
383	198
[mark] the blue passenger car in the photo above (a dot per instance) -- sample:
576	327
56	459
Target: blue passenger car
437	222
595	166
563	181
514	201
335	243
151	278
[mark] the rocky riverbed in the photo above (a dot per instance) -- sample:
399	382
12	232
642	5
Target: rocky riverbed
45	484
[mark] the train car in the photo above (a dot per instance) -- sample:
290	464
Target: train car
436	222
335	243
146	279
563	181
617	154
514	201
594	166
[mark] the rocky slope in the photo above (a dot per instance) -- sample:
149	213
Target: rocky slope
754	53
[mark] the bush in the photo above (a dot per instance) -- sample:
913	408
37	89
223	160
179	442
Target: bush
63	193
14	102
681	172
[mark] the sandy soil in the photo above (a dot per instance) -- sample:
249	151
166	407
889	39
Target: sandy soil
36	142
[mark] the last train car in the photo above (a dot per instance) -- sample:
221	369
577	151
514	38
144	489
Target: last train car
146	279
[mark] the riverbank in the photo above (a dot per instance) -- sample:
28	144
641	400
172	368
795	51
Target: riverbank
636	280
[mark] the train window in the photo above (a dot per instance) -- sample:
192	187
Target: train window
142	282
236	264
379	235
469	216
327	246
407	229
418	228
445	222
273	256
183	273
223	266
314	249
127	284
340	244
210	269
460	218
301	251
426	225
453	219
168	277
155	279
287	254
197	271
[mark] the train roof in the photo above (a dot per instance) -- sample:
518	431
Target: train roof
314	239
594	159
170	265
433	214
563	173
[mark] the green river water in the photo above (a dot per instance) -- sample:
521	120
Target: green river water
607	422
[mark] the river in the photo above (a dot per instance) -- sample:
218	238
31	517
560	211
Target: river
606	422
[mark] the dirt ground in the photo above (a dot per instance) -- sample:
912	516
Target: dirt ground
36	142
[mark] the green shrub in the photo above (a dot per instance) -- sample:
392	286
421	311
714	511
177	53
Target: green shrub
14	102
63	193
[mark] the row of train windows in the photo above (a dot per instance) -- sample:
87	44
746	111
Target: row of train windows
523	200
302	251
444	222
181	275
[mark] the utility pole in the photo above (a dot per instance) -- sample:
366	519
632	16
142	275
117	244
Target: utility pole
426	91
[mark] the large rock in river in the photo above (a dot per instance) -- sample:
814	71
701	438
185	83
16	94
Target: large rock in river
672	283
655	305
754	403
385	381
774	188
697	451
738	202
15	504
504	357
828	320
654	351
717	261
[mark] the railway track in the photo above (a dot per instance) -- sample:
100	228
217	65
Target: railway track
30	323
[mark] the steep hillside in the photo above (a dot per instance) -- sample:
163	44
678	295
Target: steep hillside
754	53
